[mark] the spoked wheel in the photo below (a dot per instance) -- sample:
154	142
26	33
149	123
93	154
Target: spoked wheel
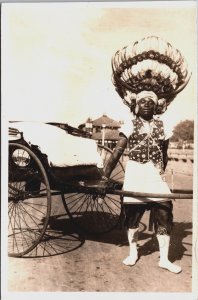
96	213
29	200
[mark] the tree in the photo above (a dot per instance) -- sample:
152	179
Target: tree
183	131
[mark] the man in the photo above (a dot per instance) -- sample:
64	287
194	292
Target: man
147	82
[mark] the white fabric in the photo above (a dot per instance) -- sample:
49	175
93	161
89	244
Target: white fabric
147	94
127	128
61	148
133	255
164	243
144	178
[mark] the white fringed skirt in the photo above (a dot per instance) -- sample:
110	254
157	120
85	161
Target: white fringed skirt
144	178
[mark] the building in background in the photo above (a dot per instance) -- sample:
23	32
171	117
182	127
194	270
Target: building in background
104	130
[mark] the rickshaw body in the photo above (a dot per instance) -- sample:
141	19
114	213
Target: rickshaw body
33	183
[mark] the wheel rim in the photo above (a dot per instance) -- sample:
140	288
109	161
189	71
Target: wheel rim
29	200
95	213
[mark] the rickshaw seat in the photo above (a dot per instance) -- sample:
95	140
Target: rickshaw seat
62	149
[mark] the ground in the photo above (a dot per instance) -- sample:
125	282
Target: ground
76	263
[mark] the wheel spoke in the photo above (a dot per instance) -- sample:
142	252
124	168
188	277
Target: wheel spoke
14	239
28	217
34	207
85	201
115	201
115	175
87	211
77	201
32	218
111	210
24	233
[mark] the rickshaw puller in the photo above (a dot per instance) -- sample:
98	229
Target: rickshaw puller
162	211
145	77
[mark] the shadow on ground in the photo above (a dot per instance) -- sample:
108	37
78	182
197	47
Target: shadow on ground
60	237
63	236
177	245
149	242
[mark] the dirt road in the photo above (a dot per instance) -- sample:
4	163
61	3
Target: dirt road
70	262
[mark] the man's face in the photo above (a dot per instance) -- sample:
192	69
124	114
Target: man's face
146	108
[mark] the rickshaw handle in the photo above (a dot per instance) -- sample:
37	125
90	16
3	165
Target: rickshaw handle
151	195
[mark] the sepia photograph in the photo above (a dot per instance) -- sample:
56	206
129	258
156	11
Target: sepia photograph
99	150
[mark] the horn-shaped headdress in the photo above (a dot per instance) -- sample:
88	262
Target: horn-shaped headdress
150	64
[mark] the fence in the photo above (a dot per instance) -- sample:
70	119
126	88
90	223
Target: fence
185	155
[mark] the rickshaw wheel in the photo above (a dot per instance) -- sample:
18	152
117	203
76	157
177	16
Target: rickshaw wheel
91	212
29	200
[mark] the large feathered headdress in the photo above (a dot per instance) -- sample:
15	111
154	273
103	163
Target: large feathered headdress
150	64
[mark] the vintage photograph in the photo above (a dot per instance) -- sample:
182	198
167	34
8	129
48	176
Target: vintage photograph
99	134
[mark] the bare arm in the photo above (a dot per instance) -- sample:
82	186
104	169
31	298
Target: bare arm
114	158
165	153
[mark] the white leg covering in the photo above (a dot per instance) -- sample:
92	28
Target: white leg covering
164	242
133	255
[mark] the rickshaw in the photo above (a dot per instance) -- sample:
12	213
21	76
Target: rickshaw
94	204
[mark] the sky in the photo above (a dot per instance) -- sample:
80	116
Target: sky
56	57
